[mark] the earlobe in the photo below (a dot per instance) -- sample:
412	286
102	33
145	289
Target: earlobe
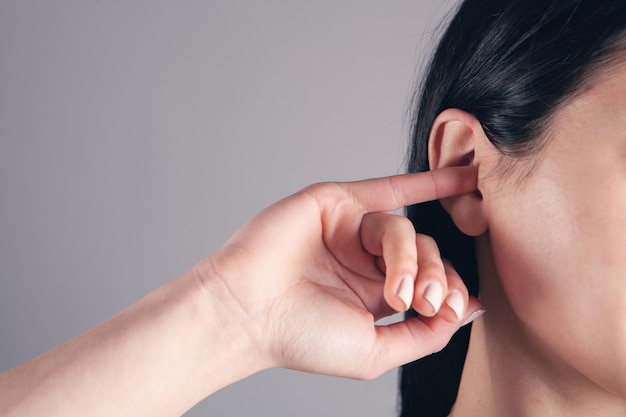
455	140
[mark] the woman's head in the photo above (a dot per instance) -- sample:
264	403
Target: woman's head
508	89
512	63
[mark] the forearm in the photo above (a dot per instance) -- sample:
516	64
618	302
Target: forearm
158	357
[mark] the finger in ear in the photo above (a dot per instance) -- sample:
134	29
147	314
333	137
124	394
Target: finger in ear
457	139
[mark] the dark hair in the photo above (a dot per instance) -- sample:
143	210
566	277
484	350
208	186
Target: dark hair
511	64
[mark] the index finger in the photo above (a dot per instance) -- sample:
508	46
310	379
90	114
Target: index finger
397	191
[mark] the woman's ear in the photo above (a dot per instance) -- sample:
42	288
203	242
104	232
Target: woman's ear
456	139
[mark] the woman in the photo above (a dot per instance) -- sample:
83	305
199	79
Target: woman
504	127
531	94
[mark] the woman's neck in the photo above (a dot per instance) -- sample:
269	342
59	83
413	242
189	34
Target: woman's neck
509	373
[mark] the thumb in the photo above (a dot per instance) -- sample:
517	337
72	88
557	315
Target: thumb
417	337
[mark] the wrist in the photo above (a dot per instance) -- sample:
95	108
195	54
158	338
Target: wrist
232	329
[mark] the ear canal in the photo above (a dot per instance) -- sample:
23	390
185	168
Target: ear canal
468	159
454	141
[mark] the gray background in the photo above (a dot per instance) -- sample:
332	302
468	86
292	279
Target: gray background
135	137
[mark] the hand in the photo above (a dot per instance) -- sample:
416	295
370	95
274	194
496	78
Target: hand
308	277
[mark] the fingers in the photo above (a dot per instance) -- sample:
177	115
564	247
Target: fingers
415	274
393	238
431	284
391	193
438	287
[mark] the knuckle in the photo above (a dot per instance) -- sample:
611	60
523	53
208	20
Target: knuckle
318	189
431	266
440	345
405	223
324	193
397	190
406	259
399	227
435	341
425	240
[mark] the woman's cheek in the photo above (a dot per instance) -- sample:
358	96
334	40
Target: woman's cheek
529	231
527	269
562	269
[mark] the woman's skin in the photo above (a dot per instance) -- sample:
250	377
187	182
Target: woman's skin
552	235
299	286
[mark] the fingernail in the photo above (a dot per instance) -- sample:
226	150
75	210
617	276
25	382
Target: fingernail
454	300
473	316
405	292
434	295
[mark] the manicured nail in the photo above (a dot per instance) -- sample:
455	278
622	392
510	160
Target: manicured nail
473	316
454	300
434	295
405	292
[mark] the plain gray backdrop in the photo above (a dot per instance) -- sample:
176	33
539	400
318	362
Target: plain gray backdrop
136	136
